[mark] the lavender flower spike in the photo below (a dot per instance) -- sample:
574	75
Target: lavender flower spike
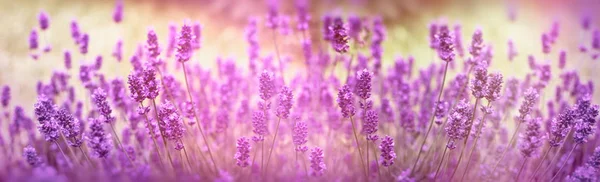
266	85
31	156
387	151
99	100
478	86
317	163
531	98
174	129
300	135
45	111
285	103
363	84
370	125
339	36
457	122
185	42
494	86
445	43
44	20
346	101
243	152
98	141
532	138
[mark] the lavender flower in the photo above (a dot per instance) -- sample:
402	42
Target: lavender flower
118	13
5	97
531	98
476	43
562	59
198	35
387	151
370	125
98	141
75	33
478	86
185	43
31	156
44	20
354	26
560	127
67	56
174	129
583	173
70	127
285	103
83	43
586	121
151	84
33	40
273	14
260	126
118	51
102	107
339	36
363	84
303	16
152	45
346	101
512	51
136	87
317	163
493	87
596	39
445	43
266	85
300	135
458	40
45	111
242	155
433	31
458	122
532	138
546	43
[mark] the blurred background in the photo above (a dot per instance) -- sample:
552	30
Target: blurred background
224	22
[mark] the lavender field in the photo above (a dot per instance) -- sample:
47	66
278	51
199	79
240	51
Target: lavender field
300	90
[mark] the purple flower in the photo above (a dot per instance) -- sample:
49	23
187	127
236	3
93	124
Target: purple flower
102	107
33	40
151	84
75	33
493	87
273	14
531	98
69	126
387	151
458	40
433	31
596	39
583	173
266	85
136	87
44	20
67	56
242	155
378	37
83	43
532	138
118	51
562	59
346	101
152	46
458	122
303	16
339	36
171	45
476	43
300	135
363	84
5	97
512	51
31	156
546	44
260	126
327	22
586	120
222	119
285	103
174	129
252	38
198	35
98	141
118	93
118	13
479	83
445	43
44	111
317	163
185	43
560	127
370	125
354	26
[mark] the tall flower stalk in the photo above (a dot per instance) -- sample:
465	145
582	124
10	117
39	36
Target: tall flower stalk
446	53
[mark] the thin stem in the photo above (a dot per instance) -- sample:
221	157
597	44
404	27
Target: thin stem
63	154
86	157
120	144
368	164
507	147
522	166
459	159
478	132
152	136
186	156
441	161
376	161
262	156
280	61
556	155
70	150
431	121
564	163
197	120
358	147
540	164
273	144
305	168
467	138
162	134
